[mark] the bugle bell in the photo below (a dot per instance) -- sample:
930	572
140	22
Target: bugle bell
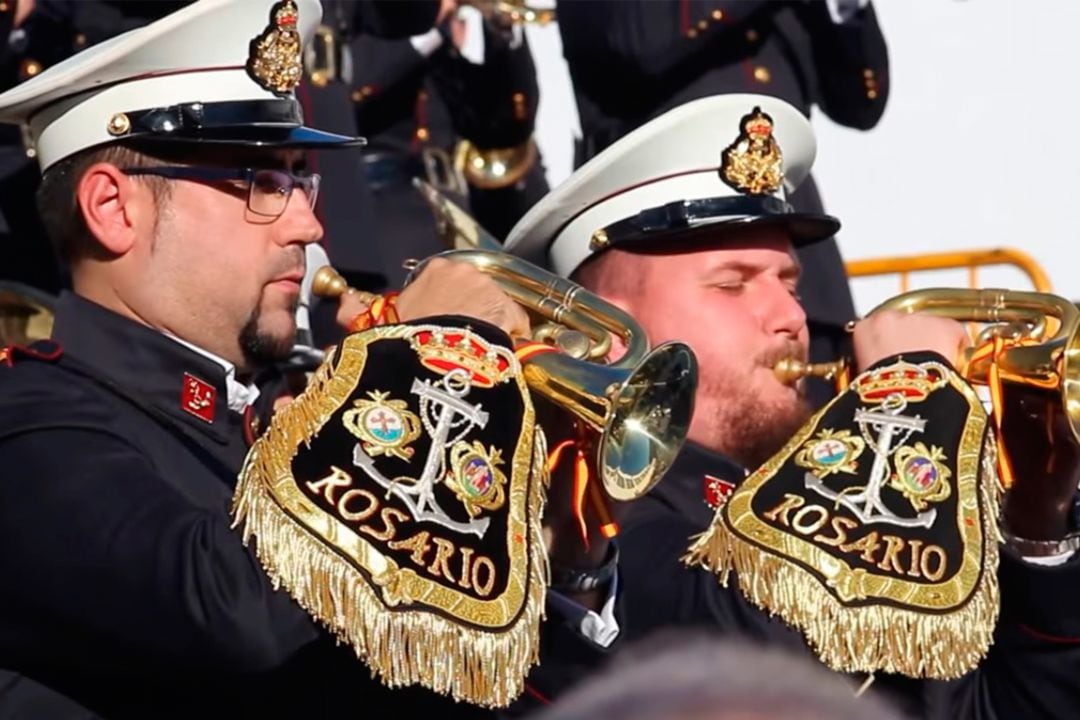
26	314
1043	329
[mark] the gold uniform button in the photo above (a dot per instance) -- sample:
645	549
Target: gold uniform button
868	73
691	33
422	134
703	25
521	109
717	15
762	74
872	94
29	68
752	35
119	124
80	40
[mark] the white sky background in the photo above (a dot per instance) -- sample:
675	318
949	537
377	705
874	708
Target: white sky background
977	147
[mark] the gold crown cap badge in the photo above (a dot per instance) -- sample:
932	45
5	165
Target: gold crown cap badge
275	58
753	164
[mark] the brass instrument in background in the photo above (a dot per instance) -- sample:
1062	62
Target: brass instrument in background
494	168
505	13
1048	322
26	314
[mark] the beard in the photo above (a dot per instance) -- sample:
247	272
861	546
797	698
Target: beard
261	348
750	429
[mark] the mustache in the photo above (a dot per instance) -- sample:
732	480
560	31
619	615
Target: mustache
290	261
787	349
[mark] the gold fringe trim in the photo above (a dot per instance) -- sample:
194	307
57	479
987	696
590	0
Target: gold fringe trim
401	648
871	638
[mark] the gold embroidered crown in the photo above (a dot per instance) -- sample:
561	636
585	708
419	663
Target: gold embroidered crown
758	125
444	352
913	382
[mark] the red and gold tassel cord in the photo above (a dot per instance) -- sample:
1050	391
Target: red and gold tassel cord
582	488
381	311
608	527
527	350
581	479
993	350
843	378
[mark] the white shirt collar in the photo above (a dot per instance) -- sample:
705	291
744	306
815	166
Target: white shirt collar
239	394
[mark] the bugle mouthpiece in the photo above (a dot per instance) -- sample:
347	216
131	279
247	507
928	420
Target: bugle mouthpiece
328	283
788	370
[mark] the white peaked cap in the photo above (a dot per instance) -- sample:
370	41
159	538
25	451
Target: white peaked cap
216	71
678	177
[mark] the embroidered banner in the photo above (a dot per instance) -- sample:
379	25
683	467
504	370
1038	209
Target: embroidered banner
399	498
874	531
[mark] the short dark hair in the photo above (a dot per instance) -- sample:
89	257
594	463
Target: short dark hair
58	205
683	674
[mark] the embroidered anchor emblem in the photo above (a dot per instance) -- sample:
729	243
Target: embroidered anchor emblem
866	502
443	410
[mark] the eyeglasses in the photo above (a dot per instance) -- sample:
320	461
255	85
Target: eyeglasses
268	189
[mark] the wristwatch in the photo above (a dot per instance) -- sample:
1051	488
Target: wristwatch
573	580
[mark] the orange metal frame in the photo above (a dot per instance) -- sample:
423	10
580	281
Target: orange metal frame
903	265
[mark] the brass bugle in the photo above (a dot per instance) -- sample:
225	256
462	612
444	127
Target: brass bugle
639	407
1048	324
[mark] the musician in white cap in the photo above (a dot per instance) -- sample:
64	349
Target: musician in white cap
684	224
175	187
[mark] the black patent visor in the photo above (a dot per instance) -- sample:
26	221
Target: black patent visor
684	216
261	123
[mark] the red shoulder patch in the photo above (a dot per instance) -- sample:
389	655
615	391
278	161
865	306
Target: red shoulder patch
197	398
717	491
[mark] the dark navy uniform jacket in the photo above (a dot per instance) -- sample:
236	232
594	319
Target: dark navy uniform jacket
1031	670
125	588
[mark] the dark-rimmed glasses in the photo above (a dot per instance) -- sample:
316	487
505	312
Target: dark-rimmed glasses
268	189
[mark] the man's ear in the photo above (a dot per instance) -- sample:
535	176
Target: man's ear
113	206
